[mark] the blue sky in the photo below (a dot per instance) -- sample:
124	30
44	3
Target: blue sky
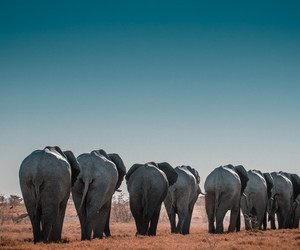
188	82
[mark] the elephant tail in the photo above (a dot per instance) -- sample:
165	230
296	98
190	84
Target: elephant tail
36	214
145	202
217	194
86	187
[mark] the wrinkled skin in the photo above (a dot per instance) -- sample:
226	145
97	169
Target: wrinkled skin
45	180
254	202
282	201
100	175
224	187
181	199
148	186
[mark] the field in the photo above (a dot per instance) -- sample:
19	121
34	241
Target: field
17	234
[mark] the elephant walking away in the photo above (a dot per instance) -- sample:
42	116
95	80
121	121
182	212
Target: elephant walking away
181	198
46	177
224	187
295	179
282	201
147	185
101	174
254	202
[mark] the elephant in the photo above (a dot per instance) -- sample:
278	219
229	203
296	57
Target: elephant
254	202
281	202
101	174
181	198
224	187
147	185
46	177
295	179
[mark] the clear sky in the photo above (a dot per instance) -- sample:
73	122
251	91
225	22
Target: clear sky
187	82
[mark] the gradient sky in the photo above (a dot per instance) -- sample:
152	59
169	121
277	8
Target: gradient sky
187	82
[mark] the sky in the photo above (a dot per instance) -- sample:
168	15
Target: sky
199	83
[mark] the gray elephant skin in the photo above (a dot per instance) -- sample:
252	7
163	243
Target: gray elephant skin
224	187
295	179
46	177
181	198
296	211
254	202
281	202
101	174
147	185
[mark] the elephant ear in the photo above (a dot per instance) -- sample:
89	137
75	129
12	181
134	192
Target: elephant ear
295	179
195	173
102	152
75	169
152	163
56	149
241	171
131	170
116	159
169	171
258	172
270	183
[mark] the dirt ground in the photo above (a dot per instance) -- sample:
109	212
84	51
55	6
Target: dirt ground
18	235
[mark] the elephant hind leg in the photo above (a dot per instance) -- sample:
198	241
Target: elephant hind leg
154	222
280	219
36	225
235	219
101	221
171	212
48	219
187	223
181	220
210	211
220	214
265	221
55	235
33	209
107	229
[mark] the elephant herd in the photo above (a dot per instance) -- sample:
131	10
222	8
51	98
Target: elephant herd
259	195
48	176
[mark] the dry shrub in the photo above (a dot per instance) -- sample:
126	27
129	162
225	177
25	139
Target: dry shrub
12	214
120	210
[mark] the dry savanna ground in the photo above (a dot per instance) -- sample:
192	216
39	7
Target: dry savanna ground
16	233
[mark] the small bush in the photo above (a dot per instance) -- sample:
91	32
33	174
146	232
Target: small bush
120	210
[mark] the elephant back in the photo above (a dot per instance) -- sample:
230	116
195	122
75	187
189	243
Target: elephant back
131	170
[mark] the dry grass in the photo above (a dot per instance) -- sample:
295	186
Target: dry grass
19	236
